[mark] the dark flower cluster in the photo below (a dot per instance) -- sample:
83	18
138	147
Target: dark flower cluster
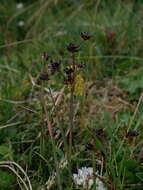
99	132
45	56
73	48
132	133
68	70
54	65
69	79
85	36
80	65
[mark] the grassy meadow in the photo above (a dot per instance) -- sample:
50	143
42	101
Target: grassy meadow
71	95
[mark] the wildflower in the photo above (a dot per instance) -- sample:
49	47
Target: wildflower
80	65
73	47
53	67
55	64
132	133
44	76
45	56
21	23
85	36
84	178
68	70
19	5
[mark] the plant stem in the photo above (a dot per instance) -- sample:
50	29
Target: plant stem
71	112
62	133
42	141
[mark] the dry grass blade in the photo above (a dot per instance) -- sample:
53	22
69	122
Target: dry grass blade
11	124
15	172
59	98
7	163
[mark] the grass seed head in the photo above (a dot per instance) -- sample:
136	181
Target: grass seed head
73	47
80	65
45	56
68	70
53	66
85	36
132	133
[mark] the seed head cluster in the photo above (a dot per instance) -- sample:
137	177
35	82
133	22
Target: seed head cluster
85	36
70	72
73	48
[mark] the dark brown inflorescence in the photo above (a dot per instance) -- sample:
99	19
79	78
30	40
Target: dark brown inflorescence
68	70
85	36
45	56
73	47
99	132
80	65
132	133
68	80
53	66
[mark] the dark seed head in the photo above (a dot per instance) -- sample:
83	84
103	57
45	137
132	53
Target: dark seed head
45	56
85	36
99	132
80	65
68	80
73	48
132	133
68	71
53	66
56	64
44	76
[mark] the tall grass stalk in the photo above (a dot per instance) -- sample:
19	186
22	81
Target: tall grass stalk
60	124
49	125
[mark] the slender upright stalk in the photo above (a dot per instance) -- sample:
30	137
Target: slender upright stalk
49	125
42	141
71	112
62	133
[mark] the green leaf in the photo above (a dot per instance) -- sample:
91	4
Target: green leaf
140	175
131	165
4	150
6	179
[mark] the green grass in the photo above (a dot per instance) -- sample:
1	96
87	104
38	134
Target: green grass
113	88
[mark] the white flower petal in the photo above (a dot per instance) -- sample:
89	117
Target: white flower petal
19	5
